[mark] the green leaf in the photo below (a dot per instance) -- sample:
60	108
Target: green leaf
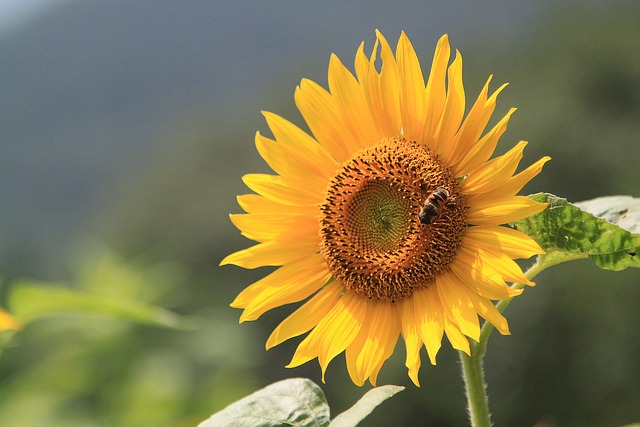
566	232
30	301
292	402
363	407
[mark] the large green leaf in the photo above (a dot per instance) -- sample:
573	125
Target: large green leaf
363	407
31	300
566	232
292	402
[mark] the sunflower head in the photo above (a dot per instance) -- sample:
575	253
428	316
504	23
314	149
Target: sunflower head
387	220
371	233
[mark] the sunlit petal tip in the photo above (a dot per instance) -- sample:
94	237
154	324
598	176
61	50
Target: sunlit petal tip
372	380
413	375
502	327
539	207
235	219
379	35
271	342
245	317
538	250
515	183
297	361
235	258
494	95
357	381
304	83
227	260
307	350
334	61
236	304
323	368
515	292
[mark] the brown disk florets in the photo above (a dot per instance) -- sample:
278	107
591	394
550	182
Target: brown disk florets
372	238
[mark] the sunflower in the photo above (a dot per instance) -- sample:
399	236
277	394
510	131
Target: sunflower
388	218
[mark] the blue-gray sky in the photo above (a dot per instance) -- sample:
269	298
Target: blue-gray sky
14	13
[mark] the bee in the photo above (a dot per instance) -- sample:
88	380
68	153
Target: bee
433	205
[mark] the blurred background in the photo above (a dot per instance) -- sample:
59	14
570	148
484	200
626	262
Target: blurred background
125	128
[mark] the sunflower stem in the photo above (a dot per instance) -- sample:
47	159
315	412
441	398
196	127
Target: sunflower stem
476	390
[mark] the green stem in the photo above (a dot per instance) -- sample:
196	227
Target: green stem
476	390
472	370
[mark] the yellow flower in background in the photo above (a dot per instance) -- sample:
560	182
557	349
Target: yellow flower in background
7	321
387	221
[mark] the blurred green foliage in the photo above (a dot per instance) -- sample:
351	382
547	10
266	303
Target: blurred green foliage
85	356
572	356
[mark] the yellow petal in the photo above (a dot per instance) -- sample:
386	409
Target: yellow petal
280	190
494	173
484	148
307	316
515	183
412	340
381	89
453	108
351	103
485	210
512	242
429	319
436	92
334	333
7	322
321	114
297	144
379	332
293	165
456	337
497	261
292	271
294	287
473	125
390	345
255	203
412	89
480	278
457	305
489	312
271	226
273	253
362	67
386	89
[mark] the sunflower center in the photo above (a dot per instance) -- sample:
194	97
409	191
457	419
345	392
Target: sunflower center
375	216
392	219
